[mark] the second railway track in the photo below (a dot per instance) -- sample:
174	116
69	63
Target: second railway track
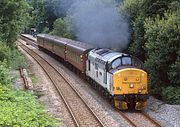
139	119
81	113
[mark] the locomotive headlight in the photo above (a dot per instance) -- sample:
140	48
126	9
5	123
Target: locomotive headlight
131	85
81	56
139	91
120	88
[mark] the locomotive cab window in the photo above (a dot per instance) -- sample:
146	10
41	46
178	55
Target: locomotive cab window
116	63
126	61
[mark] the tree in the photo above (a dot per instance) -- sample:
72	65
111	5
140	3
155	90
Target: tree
38	15
137	12
13	18
155	39
163	48
56	9
62	28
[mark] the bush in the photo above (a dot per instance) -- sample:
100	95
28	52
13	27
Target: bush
20	109
4	73
155	39
4	52
17	60
14	57
171	94
175	71
162	47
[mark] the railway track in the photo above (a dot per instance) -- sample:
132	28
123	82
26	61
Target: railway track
81	113
138	119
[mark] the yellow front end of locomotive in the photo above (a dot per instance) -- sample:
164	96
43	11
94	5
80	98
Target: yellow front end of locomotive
131	84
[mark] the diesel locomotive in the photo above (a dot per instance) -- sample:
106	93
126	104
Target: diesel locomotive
120	75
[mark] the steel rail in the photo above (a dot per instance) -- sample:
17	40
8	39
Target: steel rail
143	114
70	110
59	91
151	119
126	118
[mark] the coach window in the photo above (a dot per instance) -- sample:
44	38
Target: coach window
105	78
116	63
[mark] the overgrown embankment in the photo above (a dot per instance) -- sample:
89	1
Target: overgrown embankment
18	108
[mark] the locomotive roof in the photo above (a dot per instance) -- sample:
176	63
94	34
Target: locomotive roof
107	54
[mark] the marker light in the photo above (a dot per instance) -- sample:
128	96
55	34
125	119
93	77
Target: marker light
139	91
131	85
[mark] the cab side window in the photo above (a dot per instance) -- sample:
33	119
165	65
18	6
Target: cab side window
89	65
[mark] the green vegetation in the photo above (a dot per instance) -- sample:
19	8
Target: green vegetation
34	79
162	48
20	109
13	56
62	28
4	73
17	108
171	94
13	18
38	15
155	39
